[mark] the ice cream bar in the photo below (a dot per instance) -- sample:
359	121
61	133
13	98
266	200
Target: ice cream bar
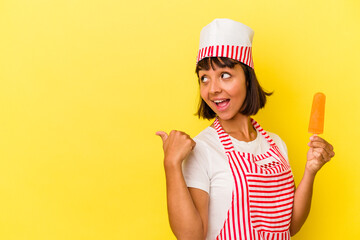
316	125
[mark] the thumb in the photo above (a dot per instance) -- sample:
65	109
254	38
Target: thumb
163	135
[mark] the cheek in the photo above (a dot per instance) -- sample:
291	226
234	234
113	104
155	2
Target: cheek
239	92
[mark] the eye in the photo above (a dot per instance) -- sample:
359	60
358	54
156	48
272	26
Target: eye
203	79
225	75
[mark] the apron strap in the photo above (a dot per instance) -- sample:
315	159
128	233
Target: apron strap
263	132
274	149
223	137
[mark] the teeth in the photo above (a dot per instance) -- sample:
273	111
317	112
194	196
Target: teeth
219	101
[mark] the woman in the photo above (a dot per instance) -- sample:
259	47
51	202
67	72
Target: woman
233	181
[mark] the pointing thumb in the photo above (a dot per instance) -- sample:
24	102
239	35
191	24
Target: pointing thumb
163	135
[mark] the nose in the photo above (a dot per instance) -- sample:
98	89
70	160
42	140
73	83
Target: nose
214	87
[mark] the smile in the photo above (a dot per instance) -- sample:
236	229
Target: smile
221	105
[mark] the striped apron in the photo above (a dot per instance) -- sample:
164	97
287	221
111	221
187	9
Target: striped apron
263	192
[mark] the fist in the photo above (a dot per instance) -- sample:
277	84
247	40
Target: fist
177	146
320	152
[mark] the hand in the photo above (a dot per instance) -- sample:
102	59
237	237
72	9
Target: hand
177	146
320	152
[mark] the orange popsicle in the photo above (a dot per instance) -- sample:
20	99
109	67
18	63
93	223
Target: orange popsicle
316	125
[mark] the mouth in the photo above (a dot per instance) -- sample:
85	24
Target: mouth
221	105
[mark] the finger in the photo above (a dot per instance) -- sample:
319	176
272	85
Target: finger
328	148
316	154
321	154
316	138
163	135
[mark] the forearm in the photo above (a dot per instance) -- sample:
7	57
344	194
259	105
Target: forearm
185	220
302	202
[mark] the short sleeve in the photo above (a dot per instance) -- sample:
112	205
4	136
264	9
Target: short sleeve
196	168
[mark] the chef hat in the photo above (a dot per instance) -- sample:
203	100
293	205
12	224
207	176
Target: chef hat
226	38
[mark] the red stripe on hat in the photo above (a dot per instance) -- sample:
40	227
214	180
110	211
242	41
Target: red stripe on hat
236	52
217	50
232	51
251	58
241	54
244	56
227	51
249	55
222	50
206	51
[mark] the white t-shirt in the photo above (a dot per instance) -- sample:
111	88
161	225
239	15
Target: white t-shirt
207	168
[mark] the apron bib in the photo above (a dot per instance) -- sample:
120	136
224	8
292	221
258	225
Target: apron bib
263	192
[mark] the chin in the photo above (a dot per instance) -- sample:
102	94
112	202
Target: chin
225	117
228	116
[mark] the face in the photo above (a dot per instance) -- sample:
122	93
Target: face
223	90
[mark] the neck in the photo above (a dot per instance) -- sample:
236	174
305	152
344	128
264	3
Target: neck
239	127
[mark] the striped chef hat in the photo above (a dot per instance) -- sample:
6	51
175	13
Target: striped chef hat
226	38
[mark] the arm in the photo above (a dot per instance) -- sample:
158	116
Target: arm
320	152
185	206
201	201
184	217
302	202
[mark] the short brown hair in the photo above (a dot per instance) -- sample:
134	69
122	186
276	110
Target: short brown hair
255	96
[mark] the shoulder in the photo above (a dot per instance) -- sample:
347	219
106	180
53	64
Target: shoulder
207	138
279	142
203	140
207	149
276	138
205	134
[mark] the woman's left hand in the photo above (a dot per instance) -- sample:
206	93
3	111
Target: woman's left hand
320	152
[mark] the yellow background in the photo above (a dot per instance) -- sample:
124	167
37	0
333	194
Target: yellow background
84	86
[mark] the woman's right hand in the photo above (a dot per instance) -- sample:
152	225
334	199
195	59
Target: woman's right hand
177	146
